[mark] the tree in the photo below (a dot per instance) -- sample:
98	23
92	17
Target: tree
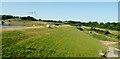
40	19
7	17
9	21
2	22
94	23
28	18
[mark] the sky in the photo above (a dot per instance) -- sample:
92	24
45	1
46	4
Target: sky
60	0
77	11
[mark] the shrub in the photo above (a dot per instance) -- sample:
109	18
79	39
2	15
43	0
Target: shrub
80	29
107	32
9	21
118	36
2	22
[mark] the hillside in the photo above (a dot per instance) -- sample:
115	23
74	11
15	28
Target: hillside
64	41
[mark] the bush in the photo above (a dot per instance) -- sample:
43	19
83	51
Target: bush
9	21
118	36
2	22
107	32
80	29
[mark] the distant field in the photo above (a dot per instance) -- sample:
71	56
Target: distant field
19	22
64	41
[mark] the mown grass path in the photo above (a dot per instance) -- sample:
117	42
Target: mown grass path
65	41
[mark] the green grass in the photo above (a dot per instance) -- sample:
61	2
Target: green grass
101	37
116	45
66	41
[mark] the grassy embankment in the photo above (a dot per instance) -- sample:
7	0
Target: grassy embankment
65	41
116	45
113	36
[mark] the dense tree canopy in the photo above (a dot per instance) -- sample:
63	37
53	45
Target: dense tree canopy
4	17
7	17
28	18
108	25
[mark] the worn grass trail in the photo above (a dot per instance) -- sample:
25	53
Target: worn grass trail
65	41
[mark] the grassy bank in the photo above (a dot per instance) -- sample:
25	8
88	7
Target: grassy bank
65	41
116	45
101	34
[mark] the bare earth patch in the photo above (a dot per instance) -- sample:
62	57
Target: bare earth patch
108	42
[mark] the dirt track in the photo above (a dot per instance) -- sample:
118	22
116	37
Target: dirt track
108	42
111	52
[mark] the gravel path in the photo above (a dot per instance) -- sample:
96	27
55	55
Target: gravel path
108	42
111	52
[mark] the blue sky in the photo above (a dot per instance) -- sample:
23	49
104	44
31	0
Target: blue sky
80	11
60	0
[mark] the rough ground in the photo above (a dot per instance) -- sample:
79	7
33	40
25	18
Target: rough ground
108	42
112	51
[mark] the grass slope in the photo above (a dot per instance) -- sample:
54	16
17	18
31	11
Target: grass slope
66	41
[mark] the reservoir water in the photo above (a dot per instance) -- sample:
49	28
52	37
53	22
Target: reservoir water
8	26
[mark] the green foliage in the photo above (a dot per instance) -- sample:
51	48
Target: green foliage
80	28
108	25
7	17
100	37
40	19
28	18
103	34
107	32
118	37
2	22
9	21
4	17
100	31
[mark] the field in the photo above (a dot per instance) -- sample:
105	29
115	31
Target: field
64	41
19	22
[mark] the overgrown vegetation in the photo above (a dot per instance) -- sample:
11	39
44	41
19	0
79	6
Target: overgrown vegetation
102	34
4	17
100	37
108	25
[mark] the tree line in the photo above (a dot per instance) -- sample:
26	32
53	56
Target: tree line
108	25
4	17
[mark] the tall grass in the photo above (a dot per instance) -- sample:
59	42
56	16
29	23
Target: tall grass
102	37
